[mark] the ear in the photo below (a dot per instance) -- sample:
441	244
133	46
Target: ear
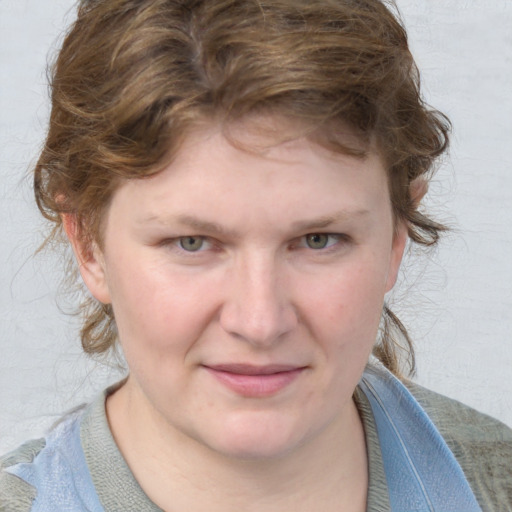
417	189
400	238
89	257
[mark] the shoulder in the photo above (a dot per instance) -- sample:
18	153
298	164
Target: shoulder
17	495
46	471
481	444
461	423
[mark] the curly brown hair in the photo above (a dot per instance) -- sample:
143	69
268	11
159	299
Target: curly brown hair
133	77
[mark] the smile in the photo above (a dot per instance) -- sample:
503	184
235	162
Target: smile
255	381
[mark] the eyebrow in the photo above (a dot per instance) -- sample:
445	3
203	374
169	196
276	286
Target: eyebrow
192	222
328	220
213	228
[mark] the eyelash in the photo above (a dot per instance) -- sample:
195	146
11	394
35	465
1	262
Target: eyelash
339	240
178	243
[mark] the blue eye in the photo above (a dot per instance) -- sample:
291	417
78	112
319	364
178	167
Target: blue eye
191	243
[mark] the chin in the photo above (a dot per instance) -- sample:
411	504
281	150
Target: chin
255	438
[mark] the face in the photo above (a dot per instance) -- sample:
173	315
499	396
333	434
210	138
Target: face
247	288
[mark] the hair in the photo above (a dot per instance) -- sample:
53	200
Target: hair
133	77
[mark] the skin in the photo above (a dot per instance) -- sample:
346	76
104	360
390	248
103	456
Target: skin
296	248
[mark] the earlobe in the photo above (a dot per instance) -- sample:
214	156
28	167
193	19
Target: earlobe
397	251
90	260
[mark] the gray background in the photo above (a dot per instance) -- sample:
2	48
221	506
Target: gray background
456	301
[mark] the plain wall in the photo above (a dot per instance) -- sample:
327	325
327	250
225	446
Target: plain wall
457	301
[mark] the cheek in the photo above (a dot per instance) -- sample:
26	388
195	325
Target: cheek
347	305
158	310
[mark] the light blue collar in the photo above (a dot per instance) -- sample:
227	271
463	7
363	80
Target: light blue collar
421	472
59	473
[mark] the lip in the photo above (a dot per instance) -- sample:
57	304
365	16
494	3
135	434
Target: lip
255	381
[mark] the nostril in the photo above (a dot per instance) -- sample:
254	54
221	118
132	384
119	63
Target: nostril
263	326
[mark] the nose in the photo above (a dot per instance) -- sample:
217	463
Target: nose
257	307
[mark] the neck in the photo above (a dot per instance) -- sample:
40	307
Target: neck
327	472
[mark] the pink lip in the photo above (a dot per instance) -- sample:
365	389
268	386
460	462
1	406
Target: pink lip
255	381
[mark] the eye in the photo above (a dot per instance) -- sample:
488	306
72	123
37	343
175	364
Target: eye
321	240
191	243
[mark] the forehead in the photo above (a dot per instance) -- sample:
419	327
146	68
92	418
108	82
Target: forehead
254	180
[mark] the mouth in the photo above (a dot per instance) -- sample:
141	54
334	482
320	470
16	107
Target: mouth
255	381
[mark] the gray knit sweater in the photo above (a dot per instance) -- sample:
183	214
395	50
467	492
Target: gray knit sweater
482	446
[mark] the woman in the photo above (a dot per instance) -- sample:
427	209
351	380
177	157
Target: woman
238	181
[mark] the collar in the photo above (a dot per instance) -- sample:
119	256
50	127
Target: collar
421	472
